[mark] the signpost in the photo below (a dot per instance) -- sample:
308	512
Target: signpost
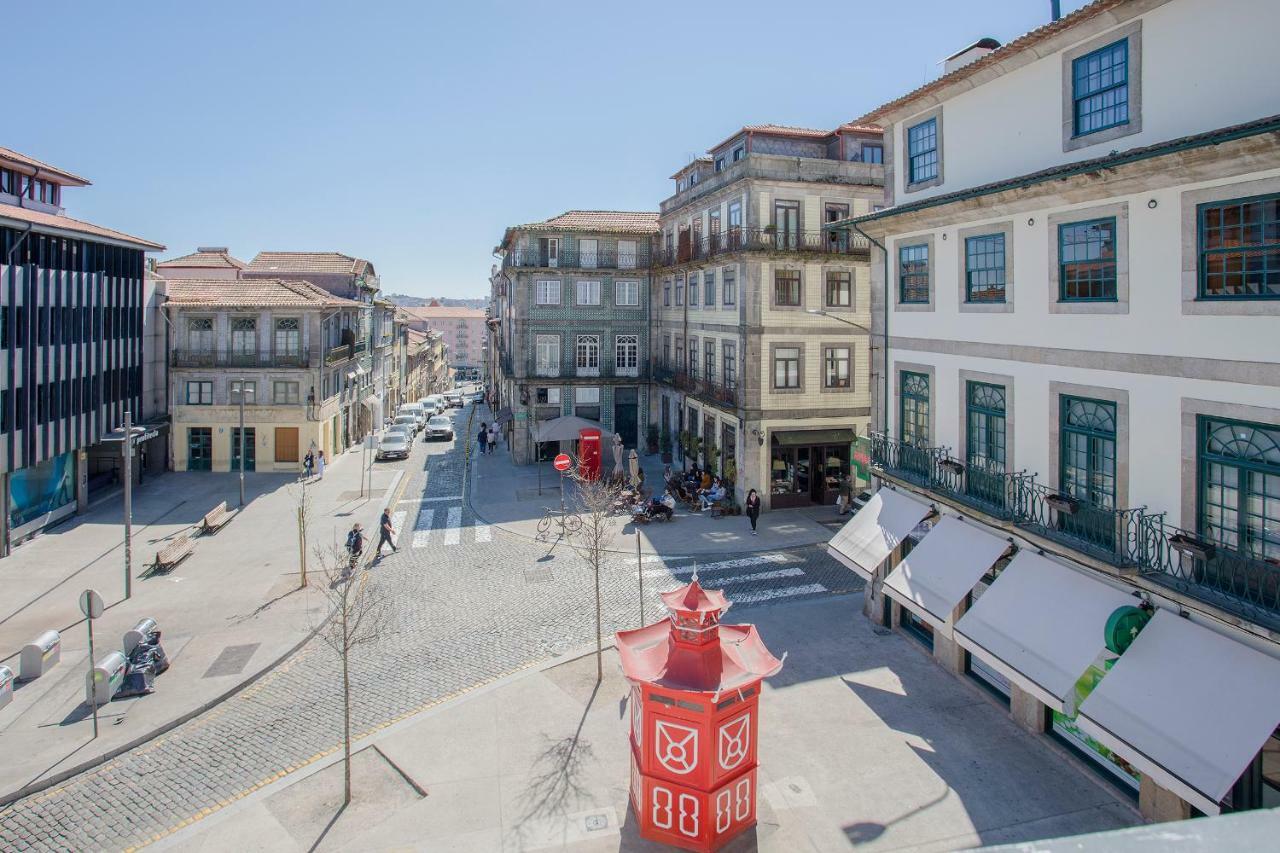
91	606
128	506
562	464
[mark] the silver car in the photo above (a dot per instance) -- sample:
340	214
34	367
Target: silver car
405	429
409	420
394	445
439	427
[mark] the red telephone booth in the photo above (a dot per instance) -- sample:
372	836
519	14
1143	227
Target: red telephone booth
589	453
694	714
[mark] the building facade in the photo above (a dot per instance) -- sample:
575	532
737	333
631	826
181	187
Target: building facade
71	307
262	342
464	331
761	316
572	301
1082	365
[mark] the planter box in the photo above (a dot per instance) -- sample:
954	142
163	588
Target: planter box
1192	547
953	465
1063	504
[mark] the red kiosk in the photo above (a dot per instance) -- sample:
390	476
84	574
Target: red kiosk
694	714
589	453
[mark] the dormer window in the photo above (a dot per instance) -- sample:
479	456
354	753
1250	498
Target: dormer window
739	153
719	164
693	178
8	181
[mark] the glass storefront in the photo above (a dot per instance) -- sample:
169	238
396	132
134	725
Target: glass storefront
805	467
41	490
1113	766
977	668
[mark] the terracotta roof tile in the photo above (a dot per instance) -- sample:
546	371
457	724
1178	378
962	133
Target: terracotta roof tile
39	219
205	258
31	162
1000	54
592	221
313	262
252	293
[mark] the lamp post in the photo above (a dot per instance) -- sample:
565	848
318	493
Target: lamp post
817	312
128	515
241	441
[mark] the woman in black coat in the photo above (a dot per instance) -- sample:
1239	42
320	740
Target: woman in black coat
753	509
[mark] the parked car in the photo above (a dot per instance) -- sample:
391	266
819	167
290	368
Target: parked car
439	427
393	446
454	399
417	410
407	430
408	419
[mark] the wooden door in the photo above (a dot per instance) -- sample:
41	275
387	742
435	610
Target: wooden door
286	444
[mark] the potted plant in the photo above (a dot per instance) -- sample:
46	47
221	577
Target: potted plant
651	438
730	474
693	446
664	444
1064	504
1185	543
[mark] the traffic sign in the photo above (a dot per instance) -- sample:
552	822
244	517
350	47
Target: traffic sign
91	603
563	462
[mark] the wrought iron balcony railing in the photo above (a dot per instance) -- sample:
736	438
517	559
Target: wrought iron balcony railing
908	462
599	259
762	240
215	358
1211	571
979	483
606	370
337	354
1104	533
716	392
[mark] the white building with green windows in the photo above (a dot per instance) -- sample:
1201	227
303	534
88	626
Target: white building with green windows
1077	283
570	326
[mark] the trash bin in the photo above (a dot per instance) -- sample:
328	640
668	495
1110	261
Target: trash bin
138	634
40	655
105	679
6	686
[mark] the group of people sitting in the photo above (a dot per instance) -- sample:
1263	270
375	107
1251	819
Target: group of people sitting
697	487
663	507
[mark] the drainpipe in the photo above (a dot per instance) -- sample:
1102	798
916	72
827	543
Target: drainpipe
884	424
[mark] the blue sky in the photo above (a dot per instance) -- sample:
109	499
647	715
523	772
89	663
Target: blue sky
412	133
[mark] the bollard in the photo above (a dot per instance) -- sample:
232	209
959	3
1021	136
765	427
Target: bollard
40	655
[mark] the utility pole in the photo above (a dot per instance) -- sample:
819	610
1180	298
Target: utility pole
242	441
128	506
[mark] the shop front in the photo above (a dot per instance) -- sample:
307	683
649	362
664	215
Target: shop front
805	466
41	495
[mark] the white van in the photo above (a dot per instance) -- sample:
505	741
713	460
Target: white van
417	410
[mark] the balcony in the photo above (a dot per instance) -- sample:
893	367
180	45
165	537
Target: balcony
572	371
600	259
778	167
200	358
763	240
1210	571
716	393
338	354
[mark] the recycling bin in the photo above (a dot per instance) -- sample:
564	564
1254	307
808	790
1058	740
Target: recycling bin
138	634
105	679
40	655
6	686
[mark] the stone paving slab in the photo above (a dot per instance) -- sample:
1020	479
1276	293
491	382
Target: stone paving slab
864	742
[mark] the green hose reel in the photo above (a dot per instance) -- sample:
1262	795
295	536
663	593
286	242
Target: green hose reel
1123	627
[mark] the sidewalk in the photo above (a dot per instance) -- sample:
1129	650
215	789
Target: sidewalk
506	495
227	613
863	742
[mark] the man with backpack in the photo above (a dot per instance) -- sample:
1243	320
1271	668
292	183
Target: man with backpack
482	437
355	546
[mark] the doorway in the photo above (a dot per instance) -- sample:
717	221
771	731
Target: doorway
626	415
250	452
200	449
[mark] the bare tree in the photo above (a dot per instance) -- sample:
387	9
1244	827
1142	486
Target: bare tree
597	500
358	615
302	507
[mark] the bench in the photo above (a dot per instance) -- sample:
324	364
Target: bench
215	518
173	553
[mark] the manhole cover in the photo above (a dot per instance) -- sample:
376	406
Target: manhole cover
881	632
596	822
231	661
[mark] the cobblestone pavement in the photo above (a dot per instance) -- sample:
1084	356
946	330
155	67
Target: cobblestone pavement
471	604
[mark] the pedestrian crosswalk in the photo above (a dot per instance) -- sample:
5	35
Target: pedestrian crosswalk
740	578
451	532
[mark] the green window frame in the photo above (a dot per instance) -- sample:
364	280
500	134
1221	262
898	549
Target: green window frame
1087	454
985	416
1100	89
922	151
984	268
1239	248
913	274
1238	499
913	409
1087	269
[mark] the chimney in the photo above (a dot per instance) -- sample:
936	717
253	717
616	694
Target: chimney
1055	9
220	250
971	53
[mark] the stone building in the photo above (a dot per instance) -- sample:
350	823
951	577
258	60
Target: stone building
761	316
1082	393
572	305
261	341
464	332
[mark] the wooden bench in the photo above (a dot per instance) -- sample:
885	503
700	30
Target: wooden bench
173	553
215	518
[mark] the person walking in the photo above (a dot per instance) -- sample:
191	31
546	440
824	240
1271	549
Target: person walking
845	501
355	546
753	509
385	532
320	465
493	436
482	437
308	464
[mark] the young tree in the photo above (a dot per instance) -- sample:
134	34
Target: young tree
302	506
595	501
358	615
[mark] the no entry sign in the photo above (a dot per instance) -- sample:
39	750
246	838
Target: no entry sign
563	462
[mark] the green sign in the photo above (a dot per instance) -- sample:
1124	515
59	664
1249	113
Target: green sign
861	459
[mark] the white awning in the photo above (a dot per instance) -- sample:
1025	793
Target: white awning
943	569
1187	706
1041	624
875	530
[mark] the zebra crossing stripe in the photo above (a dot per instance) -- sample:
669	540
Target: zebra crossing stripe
397	521
483	533
453	529
761	576
784	592
422	527
431	500
741	562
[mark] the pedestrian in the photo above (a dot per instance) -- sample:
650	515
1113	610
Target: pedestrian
320	465
493	436
482	437
355	546
308	464
844	503
753	509
385	532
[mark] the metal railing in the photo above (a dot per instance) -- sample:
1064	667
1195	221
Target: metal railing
600	259
762	240
605	370
978	483
715	392
1104	533
915	464
337	354
217	358
1210	571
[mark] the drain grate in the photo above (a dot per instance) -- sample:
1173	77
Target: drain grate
231	661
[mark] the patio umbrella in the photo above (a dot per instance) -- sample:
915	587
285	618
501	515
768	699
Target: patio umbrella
617	455
566	429
633	463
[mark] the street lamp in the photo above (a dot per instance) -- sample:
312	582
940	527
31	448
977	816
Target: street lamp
820	313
